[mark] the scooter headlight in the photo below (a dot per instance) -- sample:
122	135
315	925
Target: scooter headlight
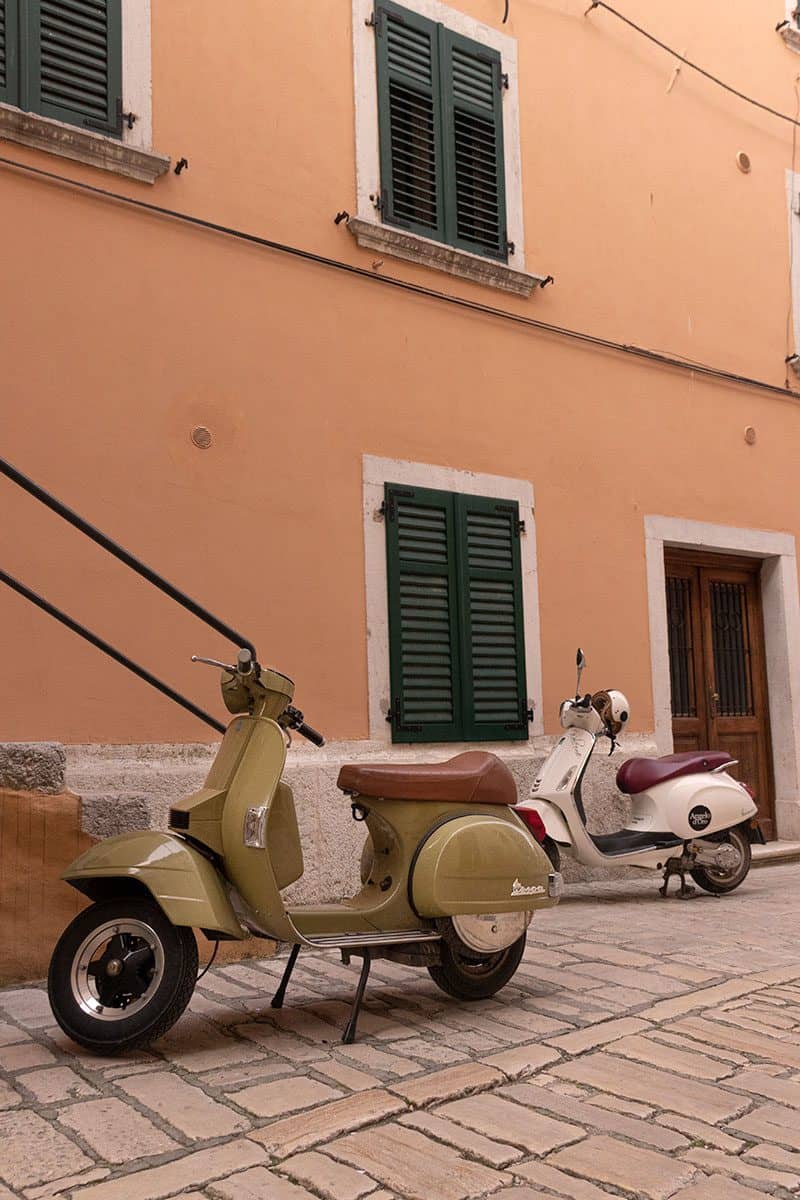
255	827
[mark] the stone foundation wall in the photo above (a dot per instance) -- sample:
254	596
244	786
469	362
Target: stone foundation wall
32	767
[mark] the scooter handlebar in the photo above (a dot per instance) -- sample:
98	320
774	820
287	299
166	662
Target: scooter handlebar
294	720
311	734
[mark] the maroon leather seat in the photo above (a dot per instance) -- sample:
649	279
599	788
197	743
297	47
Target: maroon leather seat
638	774
475	777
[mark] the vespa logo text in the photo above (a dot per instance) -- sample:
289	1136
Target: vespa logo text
519	889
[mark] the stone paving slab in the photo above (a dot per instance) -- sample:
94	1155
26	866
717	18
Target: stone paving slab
646	1049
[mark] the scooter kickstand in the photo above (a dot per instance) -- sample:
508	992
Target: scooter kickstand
277	999
349	1035
685	891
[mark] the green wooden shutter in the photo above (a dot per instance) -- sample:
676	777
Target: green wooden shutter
409	120
73	62
472	113
494	688
9	51
423	615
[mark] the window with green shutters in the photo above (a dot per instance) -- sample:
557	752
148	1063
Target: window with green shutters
63	59
456	637
440	120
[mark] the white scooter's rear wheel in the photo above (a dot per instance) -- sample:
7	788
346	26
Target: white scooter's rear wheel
720	880
121	975
469	976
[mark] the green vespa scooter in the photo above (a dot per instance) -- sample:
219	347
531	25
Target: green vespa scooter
451	875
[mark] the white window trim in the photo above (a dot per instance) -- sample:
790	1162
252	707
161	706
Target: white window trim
781	610
379	471
791	32
367	228
793	206
132	155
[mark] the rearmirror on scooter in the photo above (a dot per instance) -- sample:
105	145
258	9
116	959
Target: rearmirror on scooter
580	662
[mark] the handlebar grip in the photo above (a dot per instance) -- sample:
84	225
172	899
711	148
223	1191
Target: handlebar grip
310	734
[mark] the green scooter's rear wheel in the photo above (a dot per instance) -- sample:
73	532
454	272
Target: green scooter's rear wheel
121	975
470	976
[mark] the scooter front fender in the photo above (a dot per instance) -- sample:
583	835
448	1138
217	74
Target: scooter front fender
181	880
554	824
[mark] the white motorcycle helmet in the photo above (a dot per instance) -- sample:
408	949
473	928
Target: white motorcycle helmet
613	709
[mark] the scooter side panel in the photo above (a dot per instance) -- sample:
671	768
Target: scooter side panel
475	864
693	805
178	877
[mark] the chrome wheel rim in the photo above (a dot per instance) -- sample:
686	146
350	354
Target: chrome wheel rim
117	969
727	874
486	934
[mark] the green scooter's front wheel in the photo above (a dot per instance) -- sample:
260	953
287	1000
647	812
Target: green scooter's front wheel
467	976
121	975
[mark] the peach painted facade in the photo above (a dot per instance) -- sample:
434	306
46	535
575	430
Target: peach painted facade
123	330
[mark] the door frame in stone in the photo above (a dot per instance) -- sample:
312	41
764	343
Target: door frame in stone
781	611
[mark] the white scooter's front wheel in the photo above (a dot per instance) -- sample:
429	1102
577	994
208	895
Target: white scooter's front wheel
726	877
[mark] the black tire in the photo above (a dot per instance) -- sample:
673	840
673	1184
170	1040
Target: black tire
467	976
155	956
719	883
553	852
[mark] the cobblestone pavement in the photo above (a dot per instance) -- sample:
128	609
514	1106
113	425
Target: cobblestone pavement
646	1048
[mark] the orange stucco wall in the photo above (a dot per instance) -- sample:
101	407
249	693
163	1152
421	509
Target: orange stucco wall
121	331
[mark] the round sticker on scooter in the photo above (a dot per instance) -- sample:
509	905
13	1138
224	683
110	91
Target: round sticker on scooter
699	817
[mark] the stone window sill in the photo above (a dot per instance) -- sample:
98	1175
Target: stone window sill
414	248
791	35
56	137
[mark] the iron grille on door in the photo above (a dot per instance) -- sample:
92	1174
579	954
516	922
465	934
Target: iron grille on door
681	650
731	640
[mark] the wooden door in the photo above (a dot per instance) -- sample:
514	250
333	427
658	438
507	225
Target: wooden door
717	666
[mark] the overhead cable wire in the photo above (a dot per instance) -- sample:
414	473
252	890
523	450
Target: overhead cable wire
688	62
416	289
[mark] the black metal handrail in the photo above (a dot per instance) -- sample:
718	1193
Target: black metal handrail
130	560
110	650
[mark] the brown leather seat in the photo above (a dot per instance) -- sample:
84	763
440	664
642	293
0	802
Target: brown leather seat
638	774
475	777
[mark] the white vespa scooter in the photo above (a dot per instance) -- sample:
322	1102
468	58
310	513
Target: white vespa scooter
688	814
